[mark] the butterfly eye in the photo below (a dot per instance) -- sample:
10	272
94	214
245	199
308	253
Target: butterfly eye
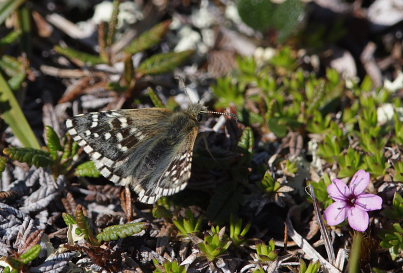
199	117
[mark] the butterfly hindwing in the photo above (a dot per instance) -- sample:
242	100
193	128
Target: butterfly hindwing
174	175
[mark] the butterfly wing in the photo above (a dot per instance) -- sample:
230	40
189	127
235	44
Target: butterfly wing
172	175
139	148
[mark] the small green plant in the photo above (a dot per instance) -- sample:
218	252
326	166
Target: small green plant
169	267
269	184
215	243
79	227
320	189
319	124
289	167
116	232
266	253
398	139
19	263
398	171
188	225
393	240
313	267
333	144
59	158
349	162
228	92
376	163
236	232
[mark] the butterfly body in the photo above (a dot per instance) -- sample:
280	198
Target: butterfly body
149	149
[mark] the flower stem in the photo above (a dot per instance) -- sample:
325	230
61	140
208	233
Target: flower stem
355	257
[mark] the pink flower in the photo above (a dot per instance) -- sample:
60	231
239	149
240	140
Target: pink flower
352	202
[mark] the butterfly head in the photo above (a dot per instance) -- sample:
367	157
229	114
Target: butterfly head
196	110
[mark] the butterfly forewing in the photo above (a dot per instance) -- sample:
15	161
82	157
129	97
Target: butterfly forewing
148	149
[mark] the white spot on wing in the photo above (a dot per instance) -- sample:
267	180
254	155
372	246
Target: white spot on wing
122	148
114	178
82	142
107	136
96	155
73	131
105	172
107	161
123	122
69	123
125	181
88	149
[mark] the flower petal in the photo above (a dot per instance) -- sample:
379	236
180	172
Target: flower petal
358	219
369	202
359	182
335	213
338	190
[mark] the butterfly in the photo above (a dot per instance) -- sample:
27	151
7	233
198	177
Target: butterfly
149	149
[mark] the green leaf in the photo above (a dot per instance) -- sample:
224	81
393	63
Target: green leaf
69	219
228	92
278	127
87	169
14	117
67	149
84	225
7	7
53	142
24	17
155	98
269	184
302	266
120	231
79	56
247	140
10	38
30	156
263	15
113	23
313	267
189	224
31	254
14	69
164	62
149	38
169	267
3	164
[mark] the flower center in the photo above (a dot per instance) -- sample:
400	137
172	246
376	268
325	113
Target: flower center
351	200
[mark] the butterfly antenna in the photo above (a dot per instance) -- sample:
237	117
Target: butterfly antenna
182	86
222	114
